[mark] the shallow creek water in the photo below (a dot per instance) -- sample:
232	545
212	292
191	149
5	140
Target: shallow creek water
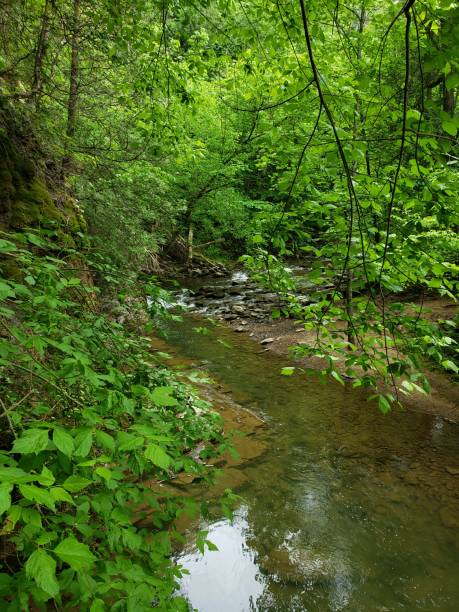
347	509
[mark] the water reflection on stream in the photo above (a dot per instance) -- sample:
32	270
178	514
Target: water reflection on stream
347	510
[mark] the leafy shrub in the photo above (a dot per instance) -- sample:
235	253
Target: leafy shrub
90	419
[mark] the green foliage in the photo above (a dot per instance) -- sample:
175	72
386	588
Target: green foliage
91	420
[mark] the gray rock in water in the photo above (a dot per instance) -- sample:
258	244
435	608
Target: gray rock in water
267	341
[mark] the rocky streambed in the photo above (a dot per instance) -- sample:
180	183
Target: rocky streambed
237	299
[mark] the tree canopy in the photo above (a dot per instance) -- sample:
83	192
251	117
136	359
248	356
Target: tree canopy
270	130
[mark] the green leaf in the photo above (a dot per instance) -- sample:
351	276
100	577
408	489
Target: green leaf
83	443
60	494
31	441
35	494
161	396
452	81
5	291
450	365
449	127
7	246
288	371
156	455
75	554
76	483
36	240
104	473
383	404
46	478
105	440
129	441
42	568
334	374
63	441
97	606
5	496
14	475
31	516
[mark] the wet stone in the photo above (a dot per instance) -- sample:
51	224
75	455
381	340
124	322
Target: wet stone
449	517
411	478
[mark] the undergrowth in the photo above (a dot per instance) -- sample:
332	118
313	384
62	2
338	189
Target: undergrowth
90	419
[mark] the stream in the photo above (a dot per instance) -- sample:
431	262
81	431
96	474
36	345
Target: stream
347	509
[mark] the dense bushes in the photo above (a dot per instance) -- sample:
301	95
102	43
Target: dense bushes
90	418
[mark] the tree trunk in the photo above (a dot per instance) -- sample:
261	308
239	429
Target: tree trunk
189	244
73	82
40	53
449	100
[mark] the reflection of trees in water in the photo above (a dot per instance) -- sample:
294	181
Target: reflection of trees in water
319	528
342	493
291	515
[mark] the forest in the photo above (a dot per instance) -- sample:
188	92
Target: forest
221	215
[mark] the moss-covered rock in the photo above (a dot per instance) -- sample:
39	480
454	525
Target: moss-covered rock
27	199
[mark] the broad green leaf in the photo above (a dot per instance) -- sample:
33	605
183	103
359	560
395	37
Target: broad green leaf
31	441
60	494
35	494
75	553
158	456
449	127
83	443
450	365
161	396
5	496
46	478
63	441
31	516
129	441
75	483
7	246
5	291
41	567
383	404
14	515
452	81
105	440
14	475
287	371
97	606
104	473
